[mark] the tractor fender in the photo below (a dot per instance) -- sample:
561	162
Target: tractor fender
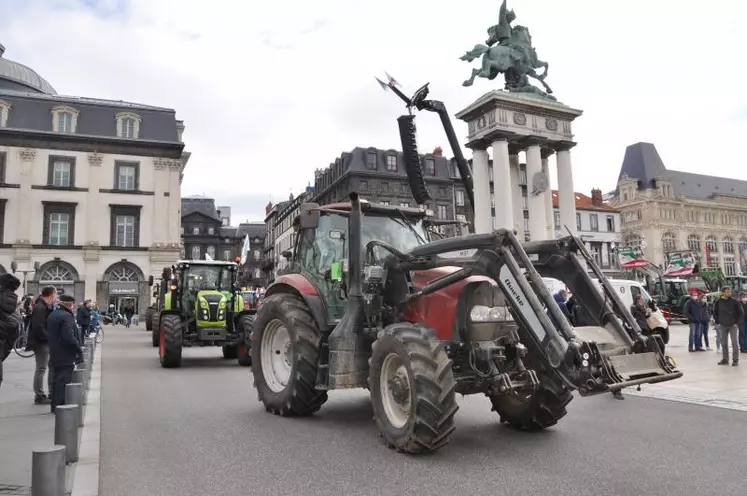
300	286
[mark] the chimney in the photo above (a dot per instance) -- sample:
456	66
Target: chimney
438	152
268	208
596	197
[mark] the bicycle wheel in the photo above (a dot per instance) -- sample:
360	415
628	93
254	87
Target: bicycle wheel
19	346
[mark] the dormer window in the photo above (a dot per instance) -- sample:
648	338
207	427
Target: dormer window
4	111
64	119
391	163
128	125
430	167
371	161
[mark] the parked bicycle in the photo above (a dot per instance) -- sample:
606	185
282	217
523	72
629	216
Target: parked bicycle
19	345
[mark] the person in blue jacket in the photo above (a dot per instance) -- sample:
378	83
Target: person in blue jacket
696	314
64	348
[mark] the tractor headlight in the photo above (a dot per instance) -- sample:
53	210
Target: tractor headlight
482	313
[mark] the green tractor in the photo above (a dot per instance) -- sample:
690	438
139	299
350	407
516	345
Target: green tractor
199	305
152	310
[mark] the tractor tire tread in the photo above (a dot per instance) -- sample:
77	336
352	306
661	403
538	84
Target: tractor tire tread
244	324
172	353
156	330
546	407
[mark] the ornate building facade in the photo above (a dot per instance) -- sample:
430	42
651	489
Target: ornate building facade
681	211
86	187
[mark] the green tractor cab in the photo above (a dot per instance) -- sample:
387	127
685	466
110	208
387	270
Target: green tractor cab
200	305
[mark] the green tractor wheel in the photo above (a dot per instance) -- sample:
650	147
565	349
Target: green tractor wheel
244	326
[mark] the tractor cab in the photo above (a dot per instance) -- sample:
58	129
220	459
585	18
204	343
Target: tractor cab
207	291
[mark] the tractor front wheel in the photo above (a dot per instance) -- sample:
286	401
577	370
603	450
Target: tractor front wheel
244	326
149	319
170	343
285	357
412	388
156	330
537	411
230	351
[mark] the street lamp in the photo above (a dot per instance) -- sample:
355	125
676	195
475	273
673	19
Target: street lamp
14	268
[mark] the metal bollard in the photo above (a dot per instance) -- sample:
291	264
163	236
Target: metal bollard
48	471
79	374
66	430
74	396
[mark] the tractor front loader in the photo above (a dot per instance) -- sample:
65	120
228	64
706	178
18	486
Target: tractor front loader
200	305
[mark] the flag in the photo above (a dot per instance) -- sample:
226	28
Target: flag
245	249
208	257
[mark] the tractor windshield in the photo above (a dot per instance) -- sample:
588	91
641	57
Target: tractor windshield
213	277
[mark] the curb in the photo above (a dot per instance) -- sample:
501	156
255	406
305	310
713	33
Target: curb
86	470
690	397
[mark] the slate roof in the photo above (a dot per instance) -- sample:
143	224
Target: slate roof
254	230
22	76
199	204
642	162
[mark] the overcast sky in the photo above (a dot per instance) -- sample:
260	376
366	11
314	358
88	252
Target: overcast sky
269	91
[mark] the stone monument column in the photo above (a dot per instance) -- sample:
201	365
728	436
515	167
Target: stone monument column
566	193
504	216
93	209
481	178
175	201
518	203
535	199
549	212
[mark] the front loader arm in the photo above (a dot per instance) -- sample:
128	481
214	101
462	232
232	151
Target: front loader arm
591	359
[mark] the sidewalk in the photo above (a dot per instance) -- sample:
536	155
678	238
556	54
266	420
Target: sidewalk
704	382
23	425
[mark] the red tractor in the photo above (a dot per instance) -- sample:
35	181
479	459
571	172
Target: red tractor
370	302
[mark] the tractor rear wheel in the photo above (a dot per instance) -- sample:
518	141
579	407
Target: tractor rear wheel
244	325
285	357
538	411
412	388
230	351
170	345
156	330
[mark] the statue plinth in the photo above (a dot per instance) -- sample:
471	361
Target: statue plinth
509	123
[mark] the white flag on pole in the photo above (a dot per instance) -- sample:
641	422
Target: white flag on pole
245	250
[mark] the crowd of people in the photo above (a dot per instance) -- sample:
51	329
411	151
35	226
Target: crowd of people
727	315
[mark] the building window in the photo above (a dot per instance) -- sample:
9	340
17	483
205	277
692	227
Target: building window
578	221
711	244
64	119
256	255
633	240
59	223
728	245
211	230
385	187
371	161
459	198
693	242
4	112
492	199
556	217
610	223
430	167
391	163
596	253
61	172
524	202
730	266
125	226
2	221
743	250
182	229
257	273
2	167
442	212
526	226
128	125
363	185
404	205
490	173
455	171
211	251
126	176
227	255
668	242
195	230
594	222
385	203
196	252
522	176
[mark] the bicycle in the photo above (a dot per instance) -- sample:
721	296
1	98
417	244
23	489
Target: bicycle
19	345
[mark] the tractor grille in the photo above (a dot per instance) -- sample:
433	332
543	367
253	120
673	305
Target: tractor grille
213	302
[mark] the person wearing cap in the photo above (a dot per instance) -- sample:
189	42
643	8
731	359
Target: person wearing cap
64	348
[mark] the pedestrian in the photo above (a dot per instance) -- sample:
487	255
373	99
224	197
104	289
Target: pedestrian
743	324
28	308
696	314
83	317
728	313
9	318
64	348
705	322
129	311
39	343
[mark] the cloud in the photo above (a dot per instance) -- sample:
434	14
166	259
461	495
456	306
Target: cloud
269	94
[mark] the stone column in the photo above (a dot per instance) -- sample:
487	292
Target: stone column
504	211
23	222
481	178
547	195
175	201
160	228
94	211
536	201
518	204
566	194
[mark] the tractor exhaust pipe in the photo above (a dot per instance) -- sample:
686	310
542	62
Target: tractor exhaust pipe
347	367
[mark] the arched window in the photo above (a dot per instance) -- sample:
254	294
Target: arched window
693	242
123	272
710	242
632	240
195	252
56	273
743	247
128	125
728	245
668	242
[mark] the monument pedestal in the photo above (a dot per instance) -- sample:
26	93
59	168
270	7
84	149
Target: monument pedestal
510	123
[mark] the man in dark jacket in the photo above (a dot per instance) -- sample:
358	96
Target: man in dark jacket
38	342
9	318
64	348
84	319
696	313
728	313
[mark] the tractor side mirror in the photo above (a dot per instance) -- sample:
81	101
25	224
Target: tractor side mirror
309	215
14	266
150	280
